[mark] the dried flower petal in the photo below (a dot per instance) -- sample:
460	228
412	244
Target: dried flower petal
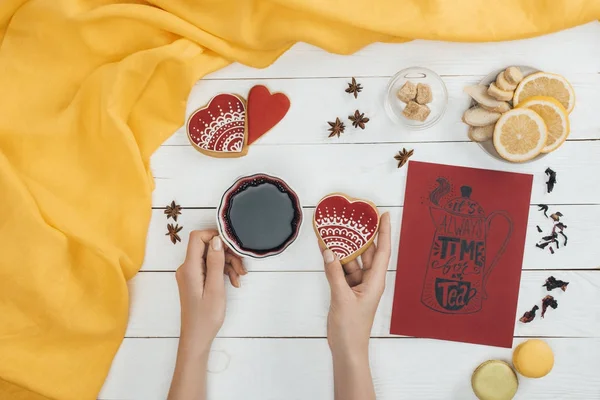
553	283
551	179
548	301
529	315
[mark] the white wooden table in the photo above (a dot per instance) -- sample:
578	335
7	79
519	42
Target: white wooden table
273	344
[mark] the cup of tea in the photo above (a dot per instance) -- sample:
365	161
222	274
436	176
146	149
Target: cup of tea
259	216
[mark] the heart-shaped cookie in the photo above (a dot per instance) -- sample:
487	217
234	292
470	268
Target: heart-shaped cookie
219	128
345	225
265	110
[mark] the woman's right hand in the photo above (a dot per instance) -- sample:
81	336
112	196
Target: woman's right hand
355	295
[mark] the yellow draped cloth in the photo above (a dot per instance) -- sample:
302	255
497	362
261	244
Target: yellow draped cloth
90	88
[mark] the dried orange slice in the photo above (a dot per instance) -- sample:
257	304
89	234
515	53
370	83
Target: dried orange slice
520	135
546	84
555	117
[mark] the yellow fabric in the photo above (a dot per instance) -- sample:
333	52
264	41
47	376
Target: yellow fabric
90	88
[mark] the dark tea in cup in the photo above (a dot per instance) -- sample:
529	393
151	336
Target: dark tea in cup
259	216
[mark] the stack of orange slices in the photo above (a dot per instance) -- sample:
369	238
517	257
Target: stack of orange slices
539	122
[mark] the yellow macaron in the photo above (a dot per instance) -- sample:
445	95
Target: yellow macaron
494	380
533	358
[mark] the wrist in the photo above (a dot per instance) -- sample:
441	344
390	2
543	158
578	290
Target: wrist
356	355
348	346
194	344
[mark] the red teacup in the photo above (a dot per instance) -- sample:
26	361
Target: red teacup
259	216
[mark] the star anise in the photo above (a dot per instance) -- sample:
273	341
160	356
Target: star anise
403	156
354	88
358	119
337	128
173	233
173	210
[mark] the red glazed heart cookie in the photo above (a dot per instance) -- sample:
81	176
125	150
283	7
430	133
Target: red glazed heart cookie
265	110
345	225
219	128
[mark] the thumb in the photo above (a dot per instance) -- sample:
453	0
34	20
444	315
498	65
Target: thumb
334	271
215	266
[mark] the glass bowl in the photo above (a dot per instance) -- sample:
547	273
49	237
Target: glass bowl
394	106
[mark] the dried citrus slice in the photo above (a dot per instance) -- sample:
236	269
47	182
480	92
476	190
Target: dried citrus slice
520	135
546	84
555	117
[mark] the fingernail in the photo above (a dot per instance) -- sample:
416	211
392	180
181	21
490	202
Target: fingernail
328	256
216	243
245	269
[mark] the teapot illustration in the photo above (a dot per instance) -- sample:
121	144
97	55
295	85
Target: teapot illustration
457	271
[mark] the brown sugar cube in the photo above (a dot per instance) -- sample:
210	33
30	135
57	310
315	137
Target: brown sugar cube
424	95
407	92
416	111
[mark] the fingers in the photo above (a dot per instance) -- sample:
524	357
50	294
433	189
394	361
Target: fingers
354	273
234	277
336	275
215	267
197	246
381	257
367	256
234	267
321	245
236	263
334	271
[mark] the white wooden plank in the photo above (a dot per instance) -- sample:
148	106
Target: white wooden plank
276	369
303	255
574	50
295	304
316	101
367	170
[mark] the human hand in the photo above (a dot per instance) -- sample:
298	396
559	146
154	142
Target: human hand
201	286
355	294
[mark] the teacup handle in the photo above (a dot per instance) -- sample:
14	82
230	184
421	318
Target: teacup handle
488	222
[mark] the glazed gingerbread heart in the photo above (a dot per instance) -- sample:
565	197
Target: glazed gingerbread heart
345	225
219	128
265	110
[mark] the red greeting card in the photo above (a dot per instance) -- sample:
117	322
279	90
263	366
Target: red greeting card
461	252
